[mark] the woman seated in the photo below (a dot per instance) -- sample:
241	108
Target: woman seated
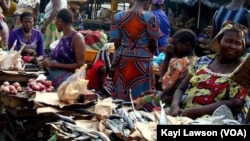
100	71
27	36
208	84
179	56
69	54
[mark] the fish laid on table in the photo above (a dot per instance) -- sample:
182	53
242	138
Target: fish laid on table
163	116
78	133
129	123
65	118
147	116
136	113
115	126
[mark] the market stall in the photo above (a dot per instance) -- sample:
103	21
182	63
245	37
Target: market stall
43	116
34	110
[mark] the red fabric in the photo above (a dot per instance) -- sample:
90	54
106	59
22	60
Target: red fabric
91	37
92	74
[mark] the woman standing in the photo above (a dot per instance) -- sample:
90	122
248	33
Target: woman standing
4	29
164	25
50	34
69	54
5	5
135	33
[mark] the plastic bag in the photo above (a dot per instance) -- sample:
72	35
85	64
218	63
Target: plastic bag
69	91
79	73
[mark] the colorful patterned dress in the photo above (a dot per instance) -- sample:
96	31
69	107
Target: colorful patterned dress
177	70
51	33
208	87
135	69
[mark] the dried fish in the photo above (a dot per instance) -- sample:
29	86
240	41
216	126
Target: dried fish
118	101
85	131
115	116
82	138
112	126
137	114
65	118
101	135
163	117
97	139
132	116
75	134
128	121
126	132
147	115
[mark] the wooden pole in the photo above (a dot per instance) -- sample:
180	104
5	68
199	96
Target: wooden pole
199	12
114	5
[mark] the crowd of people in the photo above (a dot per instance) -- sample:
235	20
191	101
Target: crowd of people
192	85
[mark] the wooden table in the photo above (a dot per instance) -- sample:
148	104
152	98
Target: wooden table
22	121
15	76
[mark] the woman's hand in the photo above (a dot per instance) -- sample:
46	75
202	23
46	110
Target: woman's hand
175	110
191	113
47	63
137	103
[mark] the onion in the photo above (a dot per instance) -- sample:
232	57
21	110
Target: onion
19	89
6	83
17	84
5	89
35	87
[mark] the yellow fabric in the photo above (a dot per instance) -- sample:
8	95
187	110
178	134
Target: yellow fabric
13	8
51	35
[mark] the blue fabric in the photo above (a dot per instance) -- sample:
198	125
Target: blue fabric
238	16
157	60
164	25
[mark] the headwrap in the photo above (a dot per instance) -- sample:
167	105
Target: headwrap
227	25
160	2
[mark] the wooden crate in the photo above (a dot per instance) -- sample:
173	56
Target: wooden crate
21	77
15	77
15	101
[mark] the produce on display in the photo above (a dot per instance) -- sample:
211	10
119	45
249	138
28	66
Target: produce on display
39	85
13	89
12	60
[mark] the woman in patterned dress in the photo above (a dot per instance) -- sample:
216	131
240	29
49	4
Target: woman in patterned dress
136	32
177	62
208	84
50	34
69	54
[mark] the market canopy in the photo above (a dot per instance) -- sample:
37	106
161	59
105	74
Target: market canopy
209	3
